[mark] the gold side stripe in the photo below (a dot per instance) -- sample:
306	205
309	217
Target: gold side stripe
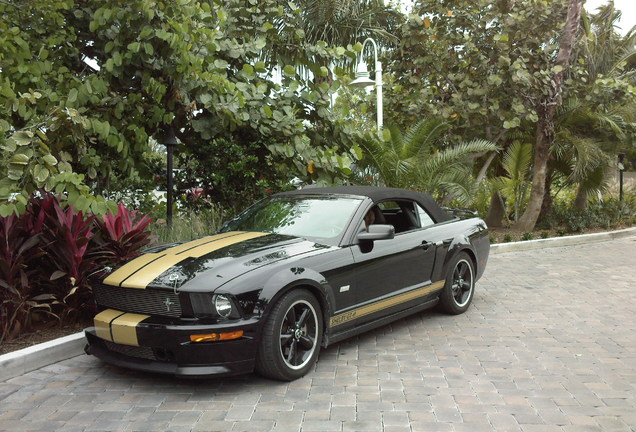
384	304
124	328
139	272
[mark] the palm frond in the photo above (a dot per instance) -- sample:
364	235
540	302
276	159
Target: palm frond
423	135
516	161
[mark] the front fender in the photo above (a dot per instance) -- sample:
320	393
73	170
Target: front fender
289	278
277	282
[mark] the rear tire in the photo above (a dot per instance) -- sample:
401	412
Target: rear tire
459	287
291	338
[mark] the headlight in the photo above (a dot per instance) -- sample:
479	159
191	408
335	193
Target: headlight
223	305
217	305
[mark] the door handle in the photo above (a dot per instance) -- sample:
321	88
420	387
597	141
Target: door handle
426	244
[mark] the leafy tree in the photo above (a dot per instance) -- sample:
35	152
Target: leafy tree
487	67
477	64
591	127
546	110
85	84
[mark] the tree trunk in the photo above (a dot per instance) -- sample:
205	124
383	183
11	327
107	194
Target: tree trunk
484	169
580	202
545	137
547	113
546	206
496	212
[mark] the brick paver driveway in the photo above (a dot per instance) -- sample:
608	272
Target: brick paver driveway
549	345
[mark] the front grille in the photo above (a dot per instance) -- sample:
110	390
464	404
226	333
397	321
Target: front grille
144	301
131	351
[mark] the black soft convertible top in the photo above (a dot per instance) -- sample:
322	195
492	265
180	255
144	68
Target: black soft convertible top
379	194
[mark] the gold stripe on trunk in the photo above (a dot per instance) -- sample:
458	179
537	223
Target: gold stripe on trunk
102	323
384	304
124	328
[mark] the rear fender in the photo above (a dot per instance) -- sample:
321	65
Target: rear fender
459	244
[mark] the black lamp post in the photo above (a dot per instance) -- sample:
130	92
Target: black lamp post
169	140
621	168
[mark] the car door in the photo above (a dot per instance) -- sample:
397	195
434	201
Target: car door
394	274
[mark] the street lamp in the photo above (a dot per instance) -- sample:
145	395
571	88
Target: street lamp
621	168
169	139
362	79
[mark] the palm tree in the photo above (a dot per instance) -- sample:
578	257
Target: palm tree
577	153
420	159
586	127
604	50
347	21
336	23
514	186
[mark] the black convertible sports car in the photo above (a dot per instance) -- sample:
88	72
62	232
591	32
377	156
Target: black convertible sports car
293	273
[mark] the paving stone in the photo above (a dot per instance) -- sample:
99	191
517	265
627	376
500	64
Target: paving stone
549	344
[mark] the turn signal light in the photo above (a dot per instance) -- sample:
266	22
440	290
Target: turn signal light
213	337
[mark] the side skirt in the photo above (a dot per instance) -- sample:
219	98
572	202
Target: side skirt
337	337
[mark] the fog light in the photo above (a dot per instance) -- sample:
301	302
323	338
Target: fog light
213	337
223	305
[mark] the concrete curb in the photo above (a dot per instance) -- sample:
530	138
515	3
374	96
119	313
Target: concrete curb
560	241
29	359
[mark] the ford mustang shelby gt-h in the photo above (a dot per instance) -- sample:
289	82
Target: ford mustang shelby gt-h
295	272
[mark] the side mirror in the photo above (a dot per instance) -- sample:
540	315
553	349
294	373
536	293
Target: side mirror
377	232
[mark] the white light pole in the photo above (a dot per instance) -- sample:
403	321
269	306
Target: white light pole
362	79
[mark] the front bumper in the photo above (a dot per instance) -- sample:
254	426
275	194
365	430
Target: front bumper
167	349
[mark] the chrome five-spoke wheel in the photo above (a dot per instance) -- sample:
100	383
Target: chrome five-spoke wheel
291	337
459	286
298	334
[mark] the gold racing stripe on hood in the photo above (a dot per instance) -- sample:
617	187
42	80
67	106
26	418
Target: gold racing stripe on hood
141	271
129	268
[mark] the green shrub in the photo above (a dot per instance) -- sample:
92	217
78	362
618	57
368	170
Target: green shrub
527	236
545	234
507	238
189	225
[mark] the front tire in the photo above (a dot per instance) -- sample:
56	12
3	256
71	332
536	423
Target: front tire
291	338
459	288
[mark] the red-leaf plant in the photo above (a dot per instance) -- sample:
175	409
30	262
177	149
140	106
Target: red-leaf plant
19	248
121	236
66	238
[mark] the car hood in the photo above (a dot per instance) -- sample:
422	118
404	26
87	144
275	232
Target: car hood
210	262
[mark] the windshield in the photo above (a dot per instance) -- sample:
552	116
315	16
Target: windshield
300	216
